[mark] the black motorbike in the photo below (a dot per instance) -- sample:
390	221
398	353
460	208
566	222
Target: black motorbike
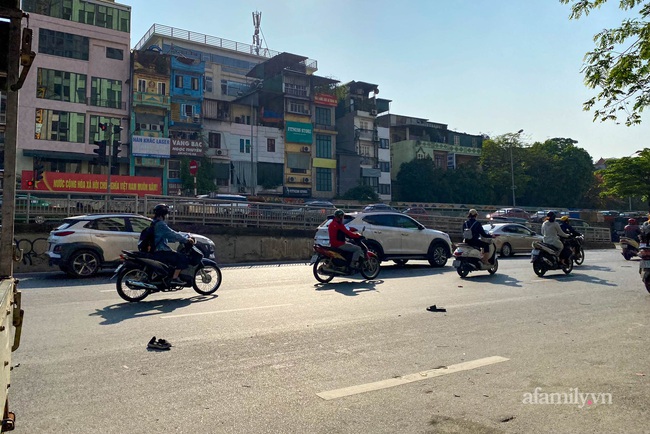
141	274
330	261
575	244
546	257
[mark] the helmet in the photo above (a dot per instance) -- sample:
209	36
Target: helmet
472	212
550	214
160	210
631	221
564	218
339	213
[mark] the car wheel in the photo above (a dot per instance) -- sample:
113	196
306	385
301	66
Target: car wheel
83	263
437	255
506	250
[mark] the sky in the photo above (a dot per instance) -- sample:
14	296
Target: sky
479	66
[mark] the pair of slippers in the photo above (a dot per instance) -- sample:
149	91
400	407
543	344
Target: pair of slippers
159	344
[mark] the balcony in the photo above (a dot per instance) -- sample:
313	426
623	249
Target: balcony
151	99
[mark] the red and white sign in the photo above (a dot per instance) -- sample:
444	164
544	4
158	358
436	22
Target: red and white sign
325	99
194	167
86	183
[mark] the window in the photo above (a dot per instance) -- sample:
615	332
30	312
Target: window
233	88
162	88
114	53
142	85
60	126
439	161
82	11
384	166
364	125
384	188
178	81
323	179
383	143
323	116
323	146
187	110
195	83
245	146
270	145
300	161
174	169
405	222
208	84
214	140
112	224
94	133
62	44
105	92
138	224
457	140
298	107
61	85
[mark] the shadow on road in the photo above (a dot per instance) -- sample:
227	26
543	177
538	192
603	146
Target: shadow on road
588	279
117	313
592	267
349	288
495	279
56	279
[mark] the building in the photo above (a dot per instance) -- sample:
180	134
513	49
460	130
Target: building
414	138
359	160
79	80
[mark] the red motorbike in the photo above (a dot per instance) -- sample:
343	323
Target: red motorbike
330	262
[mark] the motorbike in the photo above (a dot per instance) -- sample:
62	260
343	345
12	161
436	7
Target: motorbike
575	244
468	258
546	257
644	266
629	248
329	262
140	274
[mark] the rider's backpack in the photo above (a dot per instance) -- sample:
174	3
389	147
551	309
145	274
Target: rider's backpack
467	231
147	242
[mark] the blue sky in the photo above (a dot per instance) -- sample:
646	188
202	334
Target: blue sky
479	66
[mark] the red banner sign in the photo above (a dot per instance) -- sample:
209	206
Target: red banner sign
77	182
325	99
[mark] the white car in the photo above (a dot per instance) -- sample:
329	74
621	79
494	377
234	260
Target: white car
85	244
395	236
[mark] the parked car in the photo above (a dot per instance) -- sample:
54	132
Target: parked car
540	215
313	210
416	211
85	244
511	238
395	236
510	212
379	207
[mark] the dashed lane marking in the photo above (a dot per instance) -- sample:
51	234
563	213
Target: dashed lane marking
225	311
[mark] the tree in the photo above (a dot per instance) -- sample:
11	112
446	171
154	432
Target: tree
204	177
416	181
628	176
496	166
361	193
619	65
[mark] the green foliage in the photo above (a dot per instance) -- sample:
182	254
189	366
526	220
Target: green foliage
204	176
628	176
619	65
361	193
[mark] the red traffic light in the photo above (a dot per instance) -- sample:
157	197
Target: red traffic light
103	126
30	183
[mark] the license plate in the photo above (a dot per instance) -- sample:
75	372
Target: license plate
456	263
644	264
313	259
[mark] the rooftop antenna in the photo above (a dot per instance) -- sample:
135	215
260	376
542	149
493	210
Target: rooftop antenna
257	41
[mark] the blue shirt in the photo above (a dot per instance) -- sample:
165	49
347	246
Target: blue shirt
164	234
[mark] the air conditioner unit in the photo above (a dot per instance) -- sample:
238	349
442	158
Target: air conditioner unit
305	149
291	179
305	180
219	152
373	112
155	127
197	119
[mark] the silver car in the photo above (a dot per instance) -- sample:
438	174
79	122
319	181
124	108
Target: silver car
511	238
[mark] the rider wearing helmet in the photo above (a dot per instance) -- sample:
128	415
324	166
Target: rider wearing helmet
632	230
337	232
567	228
552	232
164	234
477	231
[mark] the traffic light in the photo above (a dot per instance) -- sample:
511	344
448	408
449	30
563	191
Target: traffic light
100	151
103	126
30	183
117	129
116	148
38	171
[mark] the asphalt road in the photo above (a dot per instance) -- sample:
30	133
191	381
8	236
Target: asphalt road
273	351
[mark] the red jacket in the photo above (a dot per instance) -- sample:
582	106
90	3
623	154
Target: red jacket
337	232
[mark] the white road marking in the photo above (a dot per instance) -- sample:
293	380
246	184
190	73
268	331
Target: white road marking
392	382
107	290
225	311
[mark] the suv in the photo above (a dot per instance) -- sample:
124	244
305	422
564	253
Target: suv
83	245
394	236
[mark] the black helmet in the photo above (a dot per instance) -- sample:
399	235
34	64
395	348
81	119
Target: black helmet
339	213
160	210
550	214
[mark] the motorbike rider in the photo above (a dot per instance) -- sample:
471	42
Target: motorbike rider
477	231
566	226
632	230
552	232
164	234
337	232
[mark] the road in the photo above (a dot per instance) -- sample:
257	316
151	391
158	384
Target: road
273	351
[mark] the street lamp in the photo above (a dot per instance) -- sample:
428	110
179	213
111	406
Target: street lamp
512	170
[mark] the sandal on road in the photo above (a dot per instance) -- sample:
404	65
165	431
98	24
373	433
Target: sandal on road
159	344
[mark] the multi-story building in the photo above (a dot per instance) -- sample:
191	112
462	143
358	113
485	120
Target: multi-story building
412	138
290	96
358	144
79	80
